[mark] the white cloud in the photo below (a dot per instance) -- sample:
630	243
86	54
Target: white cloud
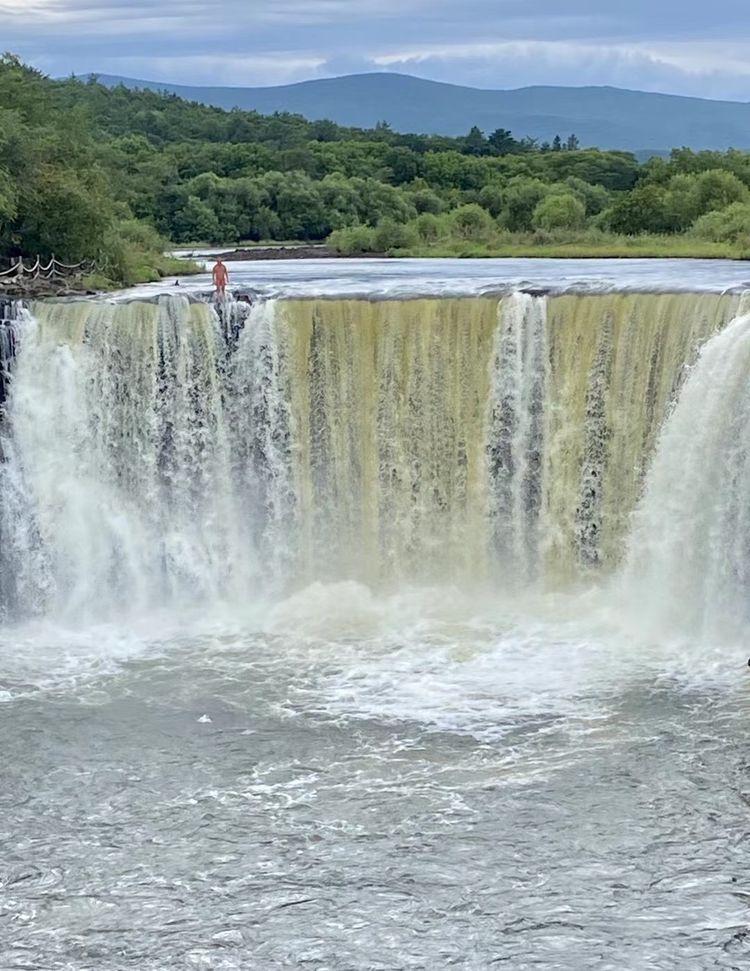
21	11
674	45
692	68
696	57
233	70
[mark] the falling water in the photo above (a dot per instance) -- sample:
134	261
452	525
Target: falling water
515	437
117	484
258	413
688	568
161	453
10	312
388	410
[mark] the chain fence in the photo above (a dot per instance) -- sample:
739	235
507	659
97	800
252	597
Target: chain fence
26	270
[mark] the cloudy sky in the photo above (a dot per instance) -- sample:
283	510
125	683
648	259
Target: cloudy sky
681	46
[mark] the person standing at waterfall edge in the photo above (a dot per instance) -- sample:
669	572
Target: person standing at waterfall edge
221	278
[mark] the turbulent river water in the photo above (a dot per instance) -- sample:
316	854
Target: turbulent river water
400	629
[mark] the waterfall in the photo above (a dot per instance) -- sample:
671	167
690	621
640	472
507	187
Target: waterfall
515	440
688	566
258	407
617	361
10	312
173	453
388	409
118	481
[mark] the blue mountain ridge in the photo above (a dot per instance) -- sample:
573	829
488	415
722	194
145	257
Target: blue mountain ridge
607	117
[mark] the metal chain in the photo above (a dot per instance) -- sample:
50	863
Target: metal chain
49	270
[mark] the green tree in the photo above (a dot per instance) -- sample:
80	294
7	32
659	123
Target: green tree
559	211
717	189
644	210
594	197
453	170
425	200
475	143
353	240
8	200
324	131
390	235
492	198
681	205
61	214
522	196
403	165
472	222
502	141
730	225
430	228
195	221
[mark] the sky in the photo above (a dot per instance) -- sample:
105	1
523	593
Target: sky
679	46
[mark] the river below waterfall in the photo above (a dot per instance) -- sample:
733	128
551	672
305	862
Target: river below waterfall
347	634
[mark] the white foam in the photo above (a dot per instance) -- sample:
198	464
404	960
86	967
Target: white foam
443	659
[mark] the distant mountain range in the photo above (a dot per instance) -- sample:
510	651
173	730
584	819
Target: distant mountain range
602	116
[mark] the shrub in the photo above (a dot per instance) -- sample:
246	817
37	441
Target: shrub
472	222
716	189
644	210
729	225
390	235
522	196
492	198
352	240
594	197
559	211
429	228
133	252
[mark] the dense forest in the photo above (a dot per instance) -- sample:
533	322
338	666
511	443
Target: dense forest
112	174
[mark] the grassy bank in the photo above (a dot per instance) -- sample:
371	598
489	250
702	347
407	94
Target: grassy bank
101	283
620	247
472	233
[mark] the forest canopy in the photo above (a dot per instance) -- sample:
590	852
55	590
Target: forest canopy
89	172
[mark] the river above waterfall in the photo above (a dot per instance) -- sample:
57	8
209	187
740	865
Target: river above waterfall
378	278
370	634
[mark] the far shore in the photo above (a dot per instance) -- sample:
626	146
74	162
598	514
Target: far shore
301	252
678	247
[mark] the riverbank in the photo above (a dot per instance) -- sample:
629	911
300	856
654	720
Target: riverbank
664	248
302	252
428	239
520	247
39	287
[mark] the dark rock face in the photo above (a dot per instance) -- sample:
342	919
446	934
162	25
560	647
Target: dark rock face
8	317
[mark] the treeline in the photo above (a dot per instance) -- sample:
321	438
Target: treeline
56	184
111	174
201	173
693	199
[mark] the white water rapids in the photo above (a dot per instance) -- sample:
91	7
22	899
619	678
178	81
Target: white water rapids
346	633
